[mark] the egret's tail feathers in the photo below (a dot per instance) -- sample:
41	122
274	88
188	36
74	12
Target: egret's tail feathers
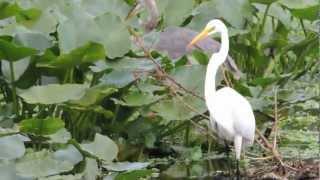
237	146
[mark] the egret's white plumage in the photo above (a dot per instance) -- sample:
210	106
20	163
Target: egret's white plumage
229	110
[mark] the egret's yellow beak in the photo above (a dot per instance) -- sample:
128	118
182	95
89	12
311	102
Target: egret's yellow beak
204	33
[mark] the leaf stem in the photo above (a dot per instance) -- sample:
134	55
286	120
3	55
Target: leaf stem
116	111
186	138
14	91
264	20
71	75
303	27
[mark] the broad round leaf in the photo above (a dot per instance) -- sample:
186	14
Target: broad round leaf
175	12
136	98
19	67
114	33
102	147
263	1
99	7
94	95
7	171
70	154
11	147
185	75
33	40
41	126
13	52
92	170
53	93
125	166
136	174
63	177
41	164
61	136
126	64
106	29
87	53
118	79
179	108
235	12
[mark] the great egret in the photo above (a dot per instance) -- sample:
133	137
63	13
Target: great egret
229	111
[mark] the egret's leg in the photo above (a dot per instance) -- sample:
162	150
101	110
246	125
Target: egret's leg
237	146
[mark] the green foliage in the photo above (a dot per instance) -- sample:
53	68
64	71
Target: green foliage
91	89
137	174
53	93
41	126
86	54
41	164
102	147
13	52
12	147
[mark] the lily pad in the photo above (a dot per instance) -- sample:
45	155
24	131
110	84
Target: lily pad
41	164
179	108
136	174
136	98
70	154
106	29
102	147
61	136
19	67
41	126
125	166
118	79
11	147
13	52
185	75
87	53
175	12
53	93
91	171
235	12
100	7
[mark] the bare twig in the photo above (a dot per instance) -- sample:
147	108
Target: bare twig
275	128
159	70
260	158
274	151
225	77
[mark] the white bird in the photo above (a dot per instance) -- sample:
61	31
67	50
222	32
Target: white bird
229	110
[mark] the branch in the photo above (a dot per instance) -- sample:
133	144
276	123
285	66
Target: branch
159	70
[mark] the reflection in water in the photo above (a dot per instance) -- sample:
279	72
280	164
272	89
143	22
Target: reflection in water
218	168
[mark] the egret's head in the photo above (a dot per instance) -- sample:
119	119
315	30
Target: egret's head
212	27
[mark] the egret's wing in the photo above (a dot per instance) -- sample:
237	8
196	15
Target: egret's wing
220	130
234	113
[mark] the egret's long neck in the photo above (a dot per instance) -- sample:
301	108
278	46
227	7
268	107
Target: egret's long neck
215	61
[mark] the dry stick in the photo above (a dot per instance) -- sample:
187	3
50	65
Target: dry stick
226	79
274	128
159	70
260	158
274	151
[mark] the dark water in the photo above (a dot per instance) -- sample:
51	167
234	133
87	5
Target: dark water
217	168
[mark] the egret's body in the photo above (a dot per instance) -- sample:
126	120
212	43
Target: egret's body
231	114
